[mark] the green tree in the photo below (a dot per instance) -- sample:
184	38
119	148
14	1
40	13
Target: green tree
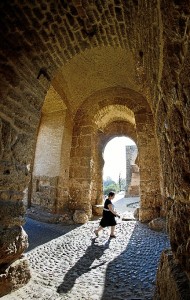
108	181
110	186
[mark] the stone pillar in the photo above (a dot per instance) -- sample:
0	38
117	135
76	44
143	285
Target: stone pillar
14	269
63	182
150	202
98	197
82	169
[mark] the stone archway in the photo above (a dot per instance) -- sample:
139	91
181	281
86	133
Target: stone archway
147	52
94	115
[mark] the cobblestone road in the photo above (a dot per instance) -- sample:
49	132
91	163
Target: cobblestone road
77	266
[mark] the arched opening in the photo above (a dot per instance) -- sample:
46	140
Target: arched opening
121	170
48	189
47	161
116	62
95	123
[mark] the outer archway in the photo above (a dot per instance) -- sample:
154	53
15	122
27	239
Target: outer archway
37	39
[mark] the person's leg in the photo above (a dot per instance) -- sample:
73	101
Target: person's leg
112	234
97	230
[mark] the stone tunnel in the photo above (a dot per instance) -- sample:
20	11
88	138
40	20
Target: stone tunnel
75	74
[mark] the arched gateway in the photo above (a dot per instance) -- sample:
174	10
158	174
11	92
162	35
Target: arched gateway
105	68
103	115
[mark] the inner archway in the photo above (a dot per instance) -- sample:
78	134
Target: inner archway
120	168
121	112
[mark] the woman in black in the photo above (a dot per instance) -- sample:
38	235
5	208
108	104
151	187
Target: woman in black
108	218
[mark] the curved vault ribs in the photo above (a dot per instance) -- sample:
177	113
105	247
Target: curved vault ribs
94	70
113	113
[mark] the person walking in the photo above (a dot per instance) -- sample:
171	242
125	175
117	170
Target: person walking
108	218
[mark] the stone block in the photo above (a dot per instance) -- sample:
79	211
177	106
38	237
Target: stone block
80	217
13	242
147	214
12	213
97	210
14	276
136	213
158	224
171	282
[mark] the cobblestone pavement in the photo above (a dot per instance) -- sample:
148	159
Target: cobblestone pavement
40	233
78	266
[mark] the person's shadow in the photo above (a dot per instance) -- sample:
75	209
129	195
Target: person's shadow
83	265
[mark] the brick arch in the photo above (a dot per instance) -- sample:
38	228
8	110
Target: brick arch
110	113
93	70
115	95
117	129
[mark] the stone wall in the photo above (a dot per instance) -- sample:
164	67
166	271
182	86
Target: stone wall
47	163
44	192
172	282
48	147
49	183
173	130
103	55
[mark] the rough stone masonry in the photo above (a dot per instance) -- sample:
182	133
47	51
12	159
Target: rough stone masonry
75	74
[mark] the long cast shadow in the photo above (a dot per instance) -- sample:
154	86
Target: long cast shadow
133	272
83	265
40	233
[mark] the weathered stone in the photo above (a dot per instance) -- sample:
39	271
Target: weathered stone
11	213
97	210
39	214
172	282
80	217
112	71
179	231
14	276
147	214
158	224
13	242
136	213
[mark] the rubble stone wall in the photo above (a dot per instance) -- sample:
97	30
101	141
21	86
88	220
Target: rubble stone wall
173	130
132	53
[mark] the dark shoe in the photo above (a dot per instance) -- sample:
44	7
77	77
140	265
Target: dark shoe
112	236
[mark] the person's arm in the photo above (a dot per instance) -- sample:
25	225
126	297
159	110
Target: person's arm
111	209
